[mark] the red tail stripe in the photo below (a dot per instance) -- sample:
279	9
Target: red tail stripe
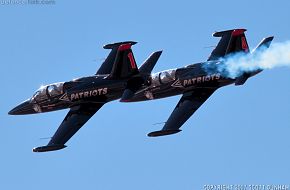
124	47
238	32
244	44
132	61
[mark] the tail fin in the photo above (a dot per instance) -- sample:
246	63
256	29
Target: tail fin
124	65
232	41
264	44
107	65
135	83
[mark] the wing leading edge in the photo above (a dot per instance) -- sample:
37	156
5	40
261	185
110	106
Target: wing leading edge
73	121
186	106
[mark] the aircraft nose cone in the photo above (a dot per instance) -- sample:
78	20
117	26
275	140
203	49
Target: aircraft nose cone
24	108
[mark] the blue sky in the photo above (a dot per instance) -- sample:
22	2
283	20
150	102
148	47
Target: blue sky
239	136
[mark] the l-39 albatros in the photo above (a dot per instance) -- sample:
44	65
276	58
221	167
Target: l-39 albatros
119	78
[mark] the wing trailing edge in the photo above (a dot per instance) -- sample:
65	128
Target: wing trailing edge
74	120
187	105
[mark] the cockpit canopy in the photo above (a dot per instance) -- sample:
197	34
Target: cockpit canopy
163	77
48	91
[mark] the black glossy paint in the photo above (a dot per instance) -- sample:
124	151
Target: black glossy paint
119	77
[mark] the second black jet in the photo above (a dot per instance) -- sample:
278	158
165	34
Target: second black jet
119	77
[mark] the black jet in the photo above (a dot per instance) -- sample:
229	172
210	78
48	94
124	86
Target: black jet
119	78
197	82
85	96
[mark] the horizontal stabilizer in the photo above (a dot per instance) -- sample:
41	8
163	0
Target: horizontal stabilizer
265	43
150	62
231	32
113	45
48	148
127	95
133	85
163	132
242	79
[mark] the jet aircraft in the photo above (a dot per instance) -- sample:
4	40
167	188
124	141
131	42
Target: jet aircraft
120	78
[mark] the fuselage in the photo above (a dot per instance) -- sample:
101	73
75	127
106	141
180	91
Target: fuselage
101	89
178	81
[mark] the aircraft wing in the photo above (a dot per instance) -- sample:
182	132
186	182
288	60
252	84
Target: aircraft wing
73	121
186	106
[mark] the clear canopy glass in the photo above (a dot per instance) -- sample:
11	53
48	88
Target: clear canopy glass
48	91
163	77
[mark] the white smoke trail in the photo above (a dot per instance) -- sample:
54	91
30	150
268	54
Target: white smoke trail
277	55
